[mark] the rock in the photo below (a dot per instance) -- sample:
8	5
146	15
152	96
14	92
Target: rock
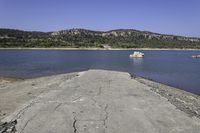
8	127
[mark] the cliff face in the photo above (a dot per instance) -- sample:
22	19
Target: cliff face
121	38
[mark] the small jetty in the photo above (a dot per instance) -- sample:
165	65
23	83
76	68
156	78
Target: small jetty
123	105
196	56
137	55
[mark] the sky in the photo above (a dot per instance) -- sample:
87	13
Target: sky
178	17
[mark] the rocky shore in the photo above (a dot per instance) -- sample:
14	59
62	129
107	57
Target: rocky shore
96	101
185	101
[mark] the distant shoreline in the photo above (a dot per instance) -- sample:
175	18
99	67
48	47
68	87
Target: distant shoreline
99	49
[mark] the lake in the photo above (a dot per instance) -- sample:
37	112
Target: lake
174	68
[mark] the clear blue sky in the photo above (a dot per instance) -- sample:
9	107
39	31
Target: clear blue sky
181	17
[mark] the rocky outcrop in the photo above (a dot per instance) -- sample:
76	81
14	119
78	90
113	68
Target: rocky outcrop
8	127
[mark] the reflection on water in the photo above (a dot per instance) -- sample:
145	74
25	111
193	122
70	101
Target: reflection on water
175	68
136	61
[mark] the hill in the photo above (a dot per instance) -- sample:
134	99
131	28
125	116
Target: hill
76	38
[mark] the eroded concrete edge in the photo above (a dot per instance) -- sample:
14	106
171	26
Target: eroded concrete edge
182	100
7	125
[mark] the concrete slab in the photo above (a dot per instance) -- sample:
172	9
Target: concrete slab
101	101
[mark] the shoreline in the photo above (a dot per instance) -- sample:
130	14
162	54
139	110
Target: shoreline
14	79
185	101
175	49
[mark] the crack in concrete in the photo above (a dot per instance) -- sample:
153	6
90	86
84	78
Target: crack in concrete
106	117
57	106
76	99
94	100
21	112
74	125
90	120
97	120
22	130
58	102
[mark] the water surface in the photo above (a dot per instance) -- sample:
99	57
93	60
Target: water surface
174	68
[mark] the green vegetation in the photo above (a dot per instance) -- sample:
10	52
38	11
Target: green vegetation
76	38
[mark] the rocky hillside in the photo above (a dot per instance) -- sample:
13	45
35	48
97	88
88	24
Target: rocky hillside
121	38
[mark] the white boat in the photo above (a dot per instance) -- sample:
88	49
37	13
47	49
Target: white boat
137	55
196	56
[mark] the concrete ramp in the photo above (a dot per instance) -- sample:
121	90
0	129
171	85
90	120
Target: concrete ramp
101	101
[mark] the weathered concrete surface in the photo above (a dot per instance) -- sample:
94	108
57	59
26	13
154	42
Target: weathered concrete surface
15	92
184	101
100	101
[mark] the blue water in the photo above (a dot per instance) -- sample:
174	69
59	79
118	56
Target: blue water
174	68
